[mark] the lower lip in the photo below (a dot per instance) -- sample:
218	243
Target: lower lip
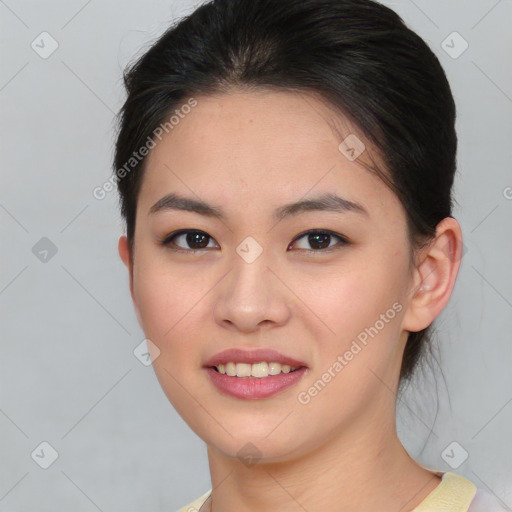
252	388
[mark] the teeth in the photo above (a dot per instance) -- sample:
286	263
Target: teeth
243	370
274	368
258	370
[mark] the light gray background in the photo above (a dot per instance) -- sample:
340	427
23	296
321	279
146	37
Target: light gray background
68	375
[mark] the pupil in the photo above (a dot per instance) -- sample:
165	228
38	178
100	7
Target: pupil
315	236
192	238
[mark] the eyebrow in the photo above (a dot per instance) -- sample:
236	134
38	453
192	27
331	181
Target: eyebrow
326	202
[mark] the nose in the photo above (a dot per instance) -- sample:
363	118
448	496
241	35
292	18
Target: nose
251	296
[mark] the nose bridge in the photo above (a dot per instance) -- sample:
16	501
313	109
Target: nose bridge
248	282
248	295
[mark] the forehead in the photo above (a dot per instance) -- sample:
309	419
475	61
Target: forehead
264	147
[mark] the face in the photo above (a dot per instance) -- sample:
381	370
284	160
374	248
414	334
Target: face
334	300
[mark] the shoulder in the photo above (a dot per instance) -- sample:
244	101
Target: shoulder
485	502
195	505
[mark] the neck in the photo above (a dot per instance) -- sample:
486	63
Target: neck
365	467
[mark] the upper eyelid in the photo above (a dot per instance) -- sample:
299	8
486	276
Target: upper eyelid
319	230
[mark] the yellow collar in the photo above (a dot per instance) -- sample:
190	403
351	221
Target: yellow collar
454	494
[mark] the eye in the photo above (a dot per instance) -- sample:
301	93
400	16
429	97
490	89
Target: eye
320	240
196	240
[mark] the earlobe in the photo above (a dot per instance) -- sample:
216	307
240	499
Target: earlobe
124	251
434	277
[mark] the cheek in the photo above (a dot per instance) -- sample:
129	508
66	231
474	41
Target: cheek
153	293
346	295
169	320
359	302
159	296
172	304
362	307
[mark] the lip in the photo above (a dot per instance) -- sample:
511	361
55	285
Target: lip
253	356
253	388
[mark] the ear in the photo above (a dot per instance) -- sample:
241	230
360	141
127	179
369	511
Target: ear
126	256
434	277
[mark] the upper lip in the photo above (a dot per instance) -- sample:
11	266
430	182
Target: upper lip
237	355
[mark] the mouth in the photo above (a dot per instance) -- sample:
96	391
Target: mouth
254	374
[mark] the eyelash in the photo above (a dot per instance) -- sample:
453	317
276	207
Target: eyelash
166	241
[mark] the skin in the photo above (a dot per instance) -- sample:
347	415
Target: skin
248	153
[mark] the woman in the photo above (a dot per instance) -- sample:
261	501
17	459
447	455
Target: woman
285	171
